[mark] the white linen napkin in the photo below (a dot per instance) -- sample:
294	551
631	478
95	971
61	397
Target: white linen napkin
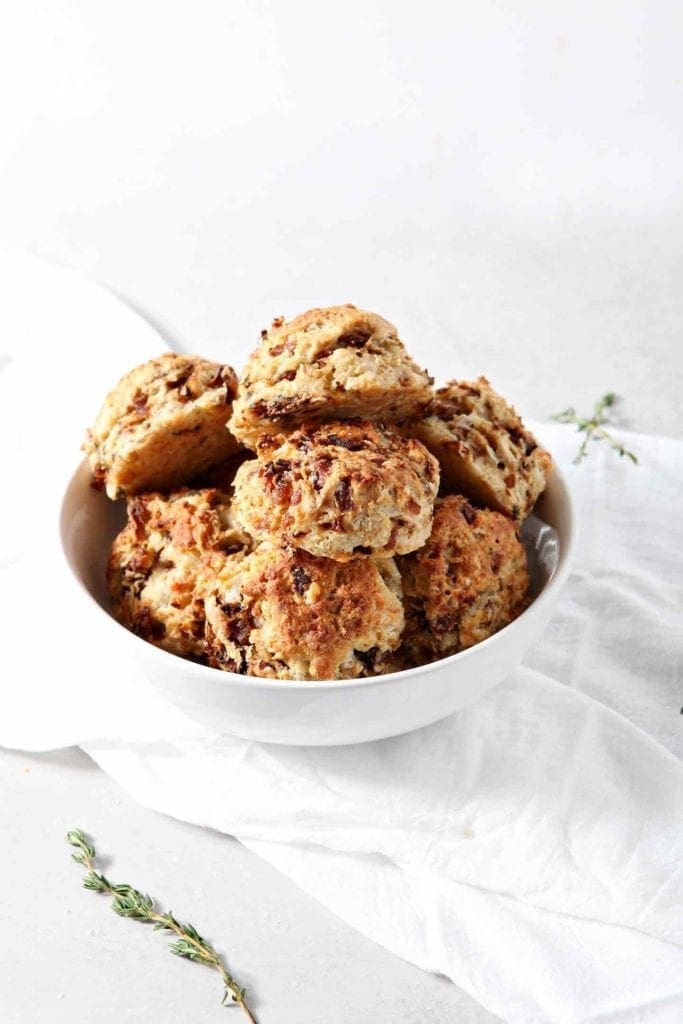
528	847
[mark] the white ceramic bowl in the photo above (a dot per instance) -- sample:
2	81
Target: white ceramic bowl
319	713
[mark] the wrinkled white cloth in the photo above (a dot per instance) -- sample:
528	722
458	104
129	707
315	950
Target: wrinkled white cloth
529	847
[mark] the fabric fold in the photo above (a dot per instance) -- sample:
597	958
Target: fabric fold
580	829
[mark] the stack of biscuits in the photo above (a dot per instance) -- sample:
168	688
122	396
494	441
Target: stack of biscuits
329	516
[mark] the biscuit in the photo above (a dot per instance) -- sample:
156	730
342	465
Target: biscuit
468	581
281	613
339	490
157	560
484	449
327	364
163	424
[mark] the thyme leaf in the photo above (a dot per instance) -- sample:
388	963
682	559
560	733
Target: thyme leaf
593	427
130	902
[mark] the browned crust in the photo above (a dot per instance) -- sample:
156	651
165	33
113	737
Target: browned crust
327	364
285	614
483	448
339	490
468	581
164	423
157	561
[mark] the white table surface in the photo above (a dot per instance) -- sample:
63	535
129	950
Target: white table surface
65	956
504	180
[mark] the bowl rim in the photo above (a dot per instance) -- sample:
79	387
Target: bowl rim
553	585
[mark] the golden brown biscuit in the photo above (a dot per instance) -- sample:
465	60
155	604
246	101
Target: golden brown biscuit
484	449
162	425
327	364
468	581
280	613
158	558
339	490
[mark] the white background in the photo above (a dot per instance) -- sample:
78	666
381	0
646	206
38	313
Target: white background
503	176
502	180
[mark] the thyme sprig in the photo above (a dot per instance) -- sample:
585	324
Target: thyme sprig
594	427
130	902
